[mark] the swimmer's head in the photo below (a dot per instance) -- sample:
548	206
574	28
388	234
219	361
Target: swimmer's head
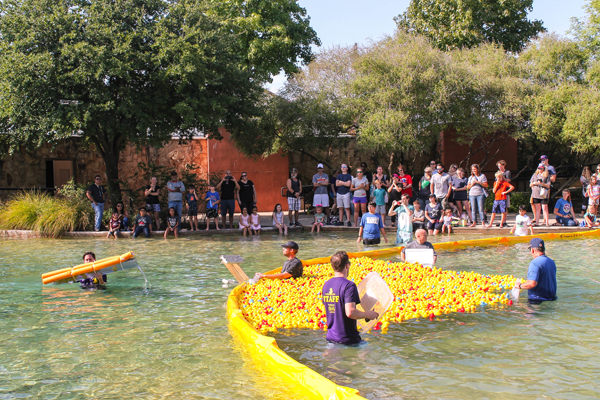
89	256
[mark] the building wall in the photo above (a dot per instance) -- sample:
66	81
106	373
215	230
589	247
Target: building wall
454	152
268	174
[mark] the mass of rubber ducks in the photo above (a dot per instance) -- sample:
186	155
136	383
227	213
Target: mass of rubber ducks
419	292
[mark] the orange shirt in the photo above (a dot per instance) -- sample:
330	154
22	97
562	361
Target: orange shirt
499	188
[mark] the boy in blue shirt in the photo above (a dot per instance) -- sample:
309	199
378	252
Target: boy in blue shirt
212	207
192	205
371	225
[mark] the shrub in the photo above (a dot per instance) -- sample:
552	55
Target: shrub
50	216
516	199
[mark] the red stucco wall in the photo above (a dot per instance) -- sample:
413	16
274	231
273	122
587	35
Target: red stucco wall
454	153
268	174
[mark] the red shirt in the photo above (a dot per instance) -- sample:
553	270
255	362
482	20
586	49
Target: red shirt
406	180
499	188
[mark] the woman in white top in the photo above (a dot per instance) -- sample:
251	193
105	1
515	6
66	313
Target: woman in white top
360	186
477	186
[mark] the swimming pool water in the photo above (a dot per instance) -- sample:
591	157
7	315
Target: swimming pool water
171	339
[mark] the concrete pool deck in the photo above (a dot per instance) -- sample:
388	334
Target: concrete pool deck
306	221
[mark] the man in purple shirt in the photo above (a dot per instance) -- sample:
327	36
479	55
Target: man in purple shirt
340	297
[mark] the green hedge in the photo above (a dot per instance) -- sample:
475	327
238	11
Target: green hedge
516	199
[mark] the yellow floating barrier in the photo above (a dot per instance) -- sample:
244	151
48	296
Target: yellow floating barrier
104	266
264	349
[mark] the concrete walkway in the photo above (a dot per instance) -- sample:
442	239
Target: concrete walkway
306	221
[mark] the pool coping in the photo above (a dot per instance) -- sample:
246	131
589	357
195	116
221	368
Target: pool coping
25	234
264	349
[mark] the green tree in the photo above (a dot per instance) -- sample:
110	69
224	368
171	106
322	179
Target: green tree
309	114
128	71
452	24
407	92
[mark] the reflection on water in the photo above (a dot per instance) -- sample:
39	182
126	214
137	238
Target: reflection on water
171	339
543	351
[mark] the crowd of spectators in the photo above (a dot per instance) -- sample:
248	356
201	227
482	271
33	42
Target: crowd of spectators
433	203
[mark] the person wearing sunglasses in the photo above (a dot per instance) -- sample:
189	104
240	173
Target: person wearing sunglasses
540	193
342	183
247	193
97	195
541	275
360	186
433	166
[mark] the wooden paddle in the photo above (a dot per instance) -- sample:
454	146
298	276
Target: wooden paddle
232	264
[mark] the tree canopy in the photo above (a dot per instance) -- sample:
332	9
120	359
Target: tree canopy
452	24
139	71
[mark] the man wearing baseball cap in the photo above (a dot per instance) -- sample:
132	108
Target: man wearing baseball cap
321	184
549	168
292	268
541	277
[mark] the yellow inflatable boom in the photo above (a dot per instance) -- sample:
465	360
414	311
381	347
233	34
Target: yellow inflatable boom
81	269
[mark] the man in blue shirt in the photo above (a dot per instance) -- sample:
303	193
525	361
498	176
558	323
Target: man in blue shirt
371	225
541	277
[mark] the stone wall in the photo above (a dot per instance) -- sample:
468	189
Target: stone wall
28	168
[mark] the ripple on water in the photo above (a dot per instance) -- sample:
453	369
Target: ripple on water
171	339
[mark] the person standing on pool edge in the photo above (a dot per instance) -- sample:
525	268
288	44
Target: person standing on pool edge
541	276
340	297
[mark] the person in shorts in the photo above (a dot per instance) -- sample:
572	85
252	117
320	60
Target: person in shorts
433	214
360	188
152	202
379	194
340	297
191	199
294	191
228	186
176	190
501	189
343	182
321	184
292	268
371	227
246	193
212	206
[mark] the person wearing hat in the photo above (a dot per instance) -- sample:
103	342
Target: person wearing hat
176	190
541	275
321	184
294	190
549	168
292	268
540	193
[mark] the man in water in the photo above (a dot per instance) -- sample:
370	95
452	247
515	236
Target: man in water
93	279
340	297
420	243
541	276
292	268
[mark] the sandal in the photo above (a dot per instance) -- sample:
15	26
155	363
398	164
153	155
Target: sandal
556	224
534	224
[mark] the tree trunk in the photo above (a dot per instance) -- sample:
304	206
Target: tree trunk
111	160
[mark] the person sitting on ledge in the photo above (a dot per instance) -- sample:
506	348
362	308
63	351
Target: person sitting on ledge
292	268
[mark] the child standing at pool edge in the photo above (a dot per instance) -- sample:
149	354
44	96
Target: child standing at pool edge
522	222
212	208
501	189
192	204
